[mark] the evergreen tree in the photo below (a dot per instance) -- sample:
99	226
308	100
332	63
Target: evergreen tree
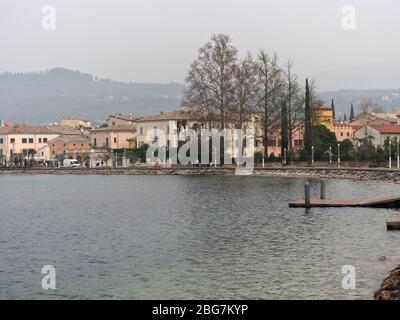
351	113
307	122
333	110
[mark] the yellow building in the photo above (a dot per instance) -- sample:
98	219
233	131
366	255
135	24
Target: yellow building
75	123
323	115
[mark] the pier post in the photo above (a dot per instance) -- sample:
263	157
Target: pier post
322	193
307	194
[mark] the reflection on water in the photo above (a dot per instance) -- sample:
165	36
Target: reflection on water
169	237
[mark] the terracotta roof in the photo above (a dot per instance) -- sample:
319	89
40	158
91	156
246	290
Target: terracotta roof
71	139
129	117
385	116
321	108
387	128
64	130
121	127
175	115
24	128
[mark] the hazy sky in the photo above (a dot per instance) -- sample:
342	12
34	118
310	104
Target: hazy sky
155	40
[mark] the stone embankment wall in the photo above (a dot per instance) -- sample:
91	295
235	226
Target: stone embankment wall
391	175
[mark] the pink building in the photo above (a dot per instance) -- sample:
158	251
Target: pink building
343	131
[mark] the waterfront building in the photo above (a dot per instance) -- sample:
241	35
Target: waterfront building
24	140
169	122
112	137
69	147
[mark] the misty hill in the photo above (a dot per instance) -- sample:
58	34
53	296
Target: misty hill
384	99
42	97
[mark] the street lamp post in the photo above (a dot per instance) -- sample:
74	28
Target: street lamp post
284	156
390	154
312	154
330	155
263	156
338	154
397	152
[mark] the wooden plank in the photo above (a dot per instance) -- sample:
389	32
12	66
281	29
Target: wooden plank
325	203
390	200
379	202
393	224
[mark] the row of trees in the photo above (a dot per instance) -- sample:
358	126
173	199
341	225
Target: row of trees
231	89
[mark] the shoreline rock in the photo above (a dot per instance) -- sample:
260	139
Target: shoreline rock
390	288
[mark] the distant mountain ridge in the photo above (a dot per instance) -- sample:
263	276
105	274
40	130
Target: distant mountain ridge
385	99
43	97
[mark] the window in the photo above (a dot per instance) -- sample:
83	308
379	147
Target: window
12	140
113	123
44	140
115	140
341	134
94	142
348	134
1	141
40	140
24	140
141	130
107	141
30	140
81	144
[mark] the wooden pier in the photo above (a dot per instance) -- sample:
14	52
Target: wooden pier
307	202
381	202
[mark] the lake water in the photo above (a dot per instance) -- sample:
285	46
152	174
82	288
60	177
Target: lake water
176	237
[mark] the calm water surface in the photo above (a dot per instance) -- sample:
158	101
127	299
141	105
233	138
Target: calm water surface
172	237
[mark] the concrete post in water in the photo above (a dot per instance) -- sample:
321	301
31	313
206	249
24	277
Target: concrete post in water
322	194
307	194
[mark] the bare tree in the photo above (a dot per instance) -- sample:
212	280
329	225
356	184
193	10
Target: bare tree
245	91
295	104
270	82
210	78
